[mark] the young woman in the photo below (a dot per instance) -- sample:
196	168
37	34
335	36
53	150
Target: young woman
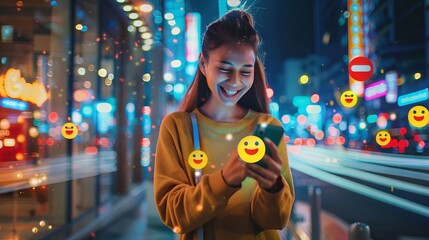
233	199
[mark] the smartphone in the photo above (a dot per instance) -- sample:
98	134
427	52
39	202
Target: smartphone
274	133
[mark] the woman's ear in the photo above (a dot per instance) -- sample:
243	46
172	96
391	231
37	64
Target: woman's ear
202	65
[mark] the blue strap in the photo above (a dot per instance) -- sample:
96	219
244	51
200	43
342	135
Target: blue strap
195	131
198	173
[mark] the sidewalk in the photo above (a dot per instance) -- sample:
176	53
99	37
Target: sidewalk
331	227
143	224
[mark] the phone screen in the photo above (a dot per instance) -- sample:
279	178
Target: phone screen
274	133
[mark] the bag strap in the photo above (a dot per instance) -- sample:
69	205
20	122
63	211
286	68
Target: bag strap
198	172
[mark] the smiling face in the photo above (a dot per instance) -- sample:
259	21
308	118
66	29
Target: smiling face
382	138
229	71
418	116
197	159
251	149
348	99
69	130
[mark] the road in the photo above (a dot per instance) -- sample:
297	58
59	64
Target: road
389	192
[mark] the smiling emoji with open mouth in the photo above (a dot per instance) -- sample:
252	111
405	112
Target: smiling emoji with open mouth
348	99
197	159
69	130
251	149
383	138
418	116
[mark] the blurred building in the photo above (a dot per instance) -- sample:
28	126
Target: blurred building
399	55
397	47
92	63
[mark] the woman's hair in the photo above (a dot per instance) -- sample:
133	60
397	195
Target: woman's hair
235	27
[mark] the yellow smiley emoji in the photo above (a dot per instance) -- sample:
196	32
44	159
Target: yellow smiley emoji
382	138
69	130
348	99
418	116
197	159
251	149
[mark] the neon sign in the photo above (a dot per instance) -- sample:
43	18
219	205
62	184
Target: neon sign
192	36
13	104
14	86
376	90
413	97
355	40
392	86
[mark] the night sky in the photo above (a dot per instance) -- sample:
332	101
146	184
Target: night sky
286	31
284	26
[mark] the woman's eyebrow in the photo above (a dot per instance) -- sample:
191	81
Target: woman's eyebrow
226	62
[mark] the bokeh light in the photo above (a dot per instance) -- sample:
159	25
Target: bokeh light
337	118
270	92
146	7
304	79
315	98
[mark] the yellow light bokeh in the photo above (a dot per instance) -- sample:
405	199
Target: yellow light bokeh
102	72
175	30
20	138
304	79
417	75
128	8
79	27
33	132
146	47
146	77
108	82
146	7
138	23
4	124
146	35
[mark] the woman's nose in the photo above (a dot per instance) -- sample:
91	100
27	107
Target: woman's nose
234	79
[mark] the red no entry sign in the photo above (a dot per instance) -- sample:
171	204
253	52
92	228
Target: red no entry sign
360	68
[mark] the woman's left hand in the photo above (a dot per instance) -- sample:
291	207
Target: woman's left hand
268	178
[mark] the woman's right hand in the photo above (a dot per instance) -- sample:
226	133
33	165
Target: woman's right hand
234	171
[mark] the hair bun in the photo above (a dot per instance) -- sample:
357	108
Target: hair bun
239	16
247	18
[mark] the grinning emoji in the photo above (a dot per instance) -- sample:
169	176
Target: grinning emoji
251	149
418	116
382	138
69	130
348	99
197	159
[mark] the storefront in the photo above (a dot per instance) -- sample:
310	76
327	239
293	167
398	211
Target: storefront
66	61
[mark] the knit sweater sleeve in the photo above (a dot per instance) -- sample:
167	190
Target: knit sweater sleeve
182	205
272	210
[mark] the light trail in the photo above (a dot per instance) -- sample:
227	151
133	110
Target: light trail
370	167
358	188
414	162
57	170
362	175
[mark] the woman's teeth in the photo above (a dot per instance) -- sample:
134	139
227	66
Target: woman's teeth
230	93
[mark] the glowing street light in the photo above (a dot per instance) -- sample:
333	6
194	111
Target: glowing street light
146	7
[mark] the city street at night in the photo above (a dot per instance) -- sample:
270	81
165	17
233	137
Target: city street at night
214	120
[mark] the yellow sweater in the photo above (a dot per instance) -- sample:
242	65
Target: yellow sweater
225	212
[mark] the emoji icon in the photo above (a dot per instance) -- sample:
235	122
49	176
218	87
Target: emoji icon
69	130
382	138
348	99
418	116
197	159
251	149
